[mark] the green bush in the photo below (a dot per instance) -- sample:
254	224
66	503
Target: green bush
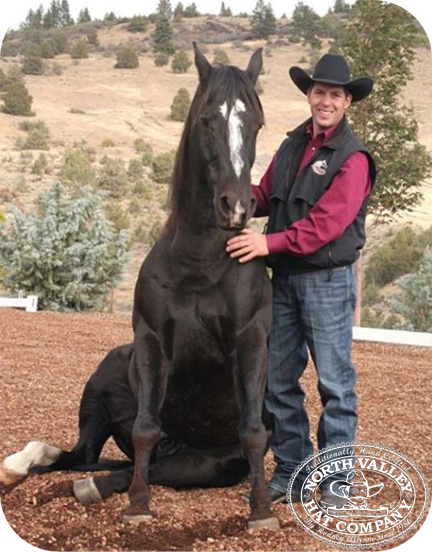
92	37
181	62
161	59
33	65
147	159
47	49
398	256
180	105
40	166
80	49
134	206
108	143
38	136
113	177
59	41
370	294
17	99
415	302
138	24
117	215
64	251
154	233
162	167
259	87
3	79
141	146
135	169
127	58
77	169
221	57
142	189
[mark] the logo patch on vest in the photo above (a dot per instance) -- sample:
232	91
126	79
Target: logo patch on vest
320	167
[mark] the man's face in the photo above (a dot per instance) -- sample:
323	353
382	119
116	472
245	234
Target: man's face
328	104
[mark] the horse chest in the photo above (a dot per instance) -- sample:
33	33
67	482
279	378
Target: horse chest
198	328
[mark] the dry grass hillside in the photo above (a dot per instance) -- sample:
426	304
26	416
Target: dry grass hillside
108	109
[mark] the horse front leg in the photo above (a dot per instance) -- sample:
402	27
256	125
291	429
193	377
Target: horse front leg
148	377
250	381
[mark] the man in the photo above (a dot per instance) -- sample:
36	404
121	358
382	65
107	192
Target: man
315	192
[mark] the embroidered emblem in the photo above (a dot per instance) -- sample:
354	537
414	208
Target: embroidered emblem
320	167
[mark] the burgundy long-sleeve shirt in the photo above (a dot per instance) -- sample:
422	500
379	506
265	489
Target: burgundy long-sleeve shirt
331	215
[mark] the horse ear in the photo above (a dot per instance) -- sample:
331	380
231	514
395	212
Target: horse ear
255	65
201	63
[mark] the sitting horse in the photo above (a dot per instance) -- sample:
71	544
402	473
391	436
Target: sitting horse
184	401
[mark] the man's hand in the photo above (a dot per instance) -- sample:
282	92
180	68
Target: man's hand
247	245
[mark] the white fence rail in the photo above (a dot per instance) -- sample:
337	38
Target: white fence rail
28	303
419	339
377	335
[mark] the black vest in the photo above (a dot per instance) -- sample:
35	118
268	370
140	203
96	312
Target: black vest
294	193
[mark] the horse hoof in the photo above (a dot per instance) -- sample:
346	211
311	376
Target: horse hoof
138	518
268	523
9	478
86	492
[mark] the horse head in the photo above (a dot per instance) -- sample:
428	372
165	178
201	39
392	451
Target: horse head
226	116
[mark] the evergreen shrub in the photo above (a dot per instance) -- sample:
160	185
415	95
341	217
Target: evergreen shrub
64	251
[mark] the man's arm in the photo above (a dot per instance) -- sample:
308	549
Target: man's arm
326	221
262	191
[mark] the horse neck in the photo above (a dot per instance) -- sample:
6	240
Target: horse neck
197	233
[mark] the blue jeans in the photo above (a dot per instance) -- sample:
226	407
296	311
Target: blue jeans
310	311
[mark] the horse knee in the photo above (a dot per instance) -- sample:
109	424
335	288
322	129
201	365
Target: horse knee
145	436
253	435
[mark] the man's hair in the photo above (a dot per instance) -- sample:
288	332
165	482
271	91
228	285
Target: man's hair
346	92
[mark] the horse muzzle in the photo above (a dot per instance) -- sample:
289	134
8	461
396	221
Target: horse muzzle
234	213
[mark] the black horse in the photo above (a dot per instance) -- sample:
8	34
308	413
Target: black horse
184	401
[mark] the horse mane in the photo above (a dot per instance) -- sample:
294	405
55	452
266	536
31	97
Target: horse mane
225	84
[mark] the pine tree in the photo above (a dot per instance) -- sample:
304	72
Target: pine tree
162	36
84	16
415	303
52	18
387	127
340	6
305	25
191	11
225	11
64	251
263	20
178	12
164	9
65	19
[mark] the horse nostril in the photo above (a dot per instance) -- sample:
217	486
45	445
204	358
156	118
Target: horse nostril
225	203
252	205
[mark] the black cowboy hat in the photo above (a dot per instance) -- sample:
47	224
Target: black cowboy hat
332	69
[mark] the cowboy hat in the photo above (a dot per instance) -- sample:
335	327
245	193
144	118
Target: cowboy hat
332	69
354	479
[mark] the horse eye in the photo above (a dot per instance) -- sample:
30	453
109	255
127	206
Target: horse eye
205	122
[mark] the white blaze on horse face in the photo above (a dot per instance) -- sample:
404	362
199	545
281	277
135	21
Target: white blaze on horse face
235	138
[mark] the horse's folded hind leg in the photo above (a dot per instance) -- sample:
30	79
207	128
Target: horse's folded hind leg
16	467
96	489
